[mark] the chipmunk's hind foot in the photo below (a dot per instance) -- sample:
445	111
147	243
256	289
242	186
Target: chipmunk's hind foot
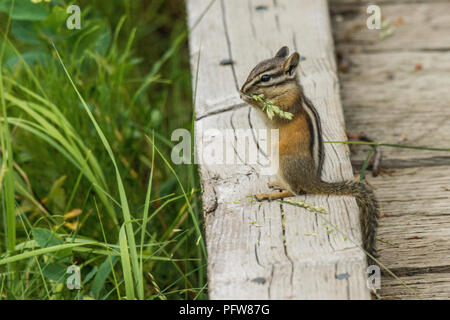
273	195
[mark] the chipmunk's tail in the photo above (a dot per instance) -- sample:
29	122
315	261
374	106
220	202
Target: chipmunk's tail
367	203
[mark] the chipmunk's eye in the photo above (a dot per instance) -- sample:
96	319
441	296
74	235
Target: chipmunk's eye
265	78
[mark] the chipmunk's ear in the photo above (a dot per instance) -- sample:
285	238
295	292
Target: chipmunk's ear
283	52
291	64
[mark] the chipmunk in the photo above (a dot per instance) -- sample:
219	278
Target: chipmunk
300	141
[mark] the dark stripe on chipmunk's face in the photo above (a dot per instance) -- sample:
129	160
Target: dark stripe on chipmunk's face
273	73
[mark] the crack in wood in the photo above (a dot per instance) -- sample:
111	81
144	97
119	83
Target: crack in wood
283	232
412	271
365	3
222	110
227	37
407	163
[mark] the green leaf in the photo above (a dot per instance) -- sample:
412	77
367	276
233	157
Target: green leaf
270	108
102	274
57	194
25	10
55	271
46	239
96	36
31	57
90	275
55	22
24	31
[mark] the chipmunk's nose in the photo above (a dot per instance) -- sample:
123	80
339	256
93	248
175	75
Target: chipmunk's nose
242	94
243	89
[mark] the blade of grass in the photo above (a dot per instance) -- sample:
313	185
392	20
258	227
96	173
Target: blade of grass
27	67
192	165
49	133
71	141
35	260
201	291
39	252
56	116
169	53
362	175
103	272
74	190
146	208
126	264
191	211
5	138
123	197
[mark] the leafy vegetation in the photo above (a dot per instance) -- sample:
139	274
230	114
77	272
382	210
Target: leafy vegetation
271	109
85	174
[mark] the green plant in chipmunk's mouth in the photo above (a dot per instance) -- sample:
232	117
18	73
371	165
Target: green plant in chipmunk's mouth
270	108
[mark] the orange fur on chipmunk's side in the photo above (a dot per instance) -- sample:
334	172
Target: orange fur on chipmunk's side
294	136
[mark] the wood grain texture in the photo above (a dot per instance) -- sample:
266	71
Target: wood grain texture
427	286
267	250
365	2
395	91
415	219
418	26
392	102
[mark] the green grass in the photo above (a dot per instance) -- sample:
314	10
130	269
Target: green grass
85	116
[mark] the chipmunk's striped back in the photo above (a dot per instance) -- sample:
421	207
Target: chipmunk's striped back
316	132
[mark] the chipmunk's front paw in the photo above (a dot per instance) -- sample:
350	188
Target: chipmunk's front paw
275	185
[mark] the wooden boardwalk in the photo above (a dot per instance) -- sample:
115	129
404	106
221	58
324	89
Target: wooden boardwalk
270	250
397	90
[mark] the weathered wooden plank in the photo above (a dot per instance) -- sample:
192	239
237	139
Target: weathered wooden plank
383	95
420	26
261	251
427	286
338	3
394	91
416	217
384	89
216	86
415	230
